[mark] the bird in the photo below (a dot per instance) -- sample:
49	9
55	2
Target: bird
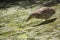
42	13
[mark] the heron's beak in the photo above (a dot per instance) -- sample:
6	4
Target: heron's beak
28	19
30	16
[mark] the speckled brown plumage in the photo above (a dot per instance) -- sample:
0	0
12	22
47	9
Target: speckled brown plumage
42	13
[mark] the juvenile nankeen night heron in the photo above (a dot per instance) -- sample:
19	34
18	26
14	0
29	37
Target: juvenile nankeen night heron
42	13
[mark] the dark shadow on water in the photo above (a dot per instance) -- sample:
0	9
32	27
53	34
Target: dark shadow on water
51	3
11	3
46	22
24	3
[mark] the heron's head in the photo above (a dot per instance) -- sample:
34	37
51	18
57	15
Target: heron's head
30	16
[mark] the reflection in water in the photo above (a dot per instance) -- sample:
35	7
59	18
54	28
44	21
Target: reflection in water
46	22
